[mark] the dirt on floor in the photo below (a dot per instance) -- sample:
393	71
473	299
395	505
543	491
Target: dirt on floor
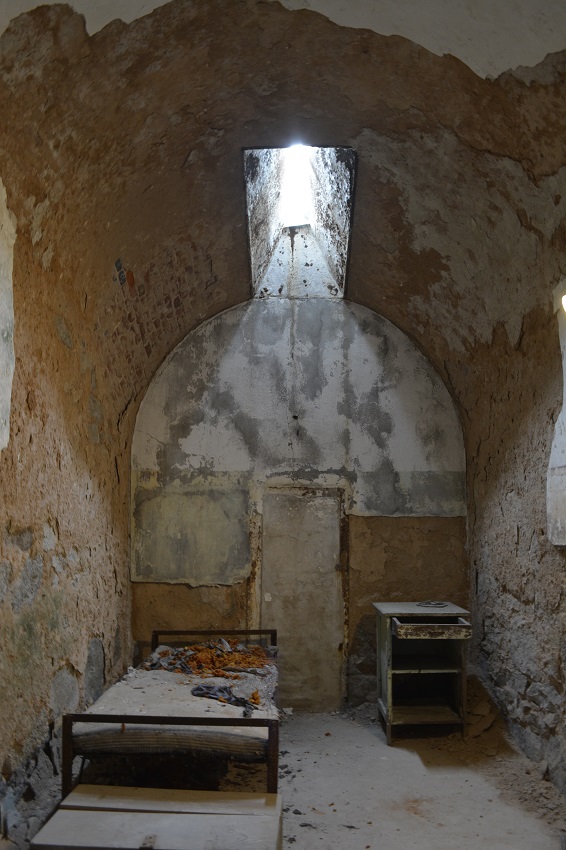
343	788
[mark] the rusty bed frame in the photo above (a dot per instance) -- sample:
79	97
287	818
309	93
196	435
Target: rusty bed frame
69	750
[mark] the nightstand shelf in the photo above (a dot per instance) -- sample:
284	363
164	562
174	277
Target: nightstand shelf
424	664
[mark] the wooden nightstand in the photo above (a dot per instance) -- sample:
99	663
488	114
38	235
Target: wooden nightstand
421	663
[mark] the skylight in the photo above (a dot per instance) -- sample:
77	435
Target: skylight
296	201
299	204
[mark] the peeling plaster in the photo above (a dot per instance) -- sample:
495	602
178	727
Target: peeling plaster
323	393
64	692
26	589
193	537
94	676
445	203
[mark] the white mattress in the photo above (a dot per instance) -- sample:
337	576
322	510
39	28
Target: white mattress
163	693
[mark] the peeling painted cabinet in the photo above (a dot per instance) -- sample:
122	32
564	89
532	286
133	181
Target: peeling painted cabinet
421	663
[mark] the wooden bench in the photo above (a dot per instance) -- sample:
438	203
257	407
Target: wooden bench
94	817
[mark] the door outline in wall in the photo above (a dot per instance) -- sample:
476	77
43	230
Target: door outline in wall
312	648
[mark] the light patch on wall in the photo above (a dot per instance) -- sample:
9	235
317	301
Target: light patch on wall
556	476
299	204
7	239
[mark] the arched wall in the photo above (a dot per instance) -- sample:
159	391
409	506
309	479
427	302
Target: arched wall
317	393
277	394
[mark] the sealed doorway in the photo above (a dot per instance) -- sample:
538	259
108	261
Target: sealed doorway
302	594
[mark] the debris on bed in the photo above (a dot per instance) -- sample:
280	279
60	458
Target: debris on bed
223	693
214	658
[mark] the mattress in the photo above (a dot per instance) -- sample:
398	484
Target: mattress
238	682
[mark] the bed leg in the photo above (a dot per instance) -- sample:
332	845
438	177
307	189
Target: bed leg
67	756
272	756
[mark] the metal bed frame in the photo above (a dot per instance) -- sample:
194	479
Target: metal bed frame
272	725
156	633
158	720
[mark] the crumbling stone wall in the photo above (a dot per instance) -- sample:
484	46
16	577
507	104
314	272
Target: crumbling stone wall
121	158
517	575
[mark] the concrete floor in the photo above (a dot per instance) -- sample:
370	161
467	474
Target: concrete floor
344	789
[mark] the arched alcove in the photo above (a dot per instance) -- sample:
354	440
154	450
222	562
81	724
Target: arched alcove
279	393
289	460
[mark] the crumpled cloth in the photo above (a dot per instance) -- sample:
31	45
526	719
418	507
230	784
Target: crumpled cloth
223	693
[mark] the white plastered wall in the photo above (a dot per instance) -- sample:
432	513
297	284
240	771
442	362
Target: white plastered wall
279	393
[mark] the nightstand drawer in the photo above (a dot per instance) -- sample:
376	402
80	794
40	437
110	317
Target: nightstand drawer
409	628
